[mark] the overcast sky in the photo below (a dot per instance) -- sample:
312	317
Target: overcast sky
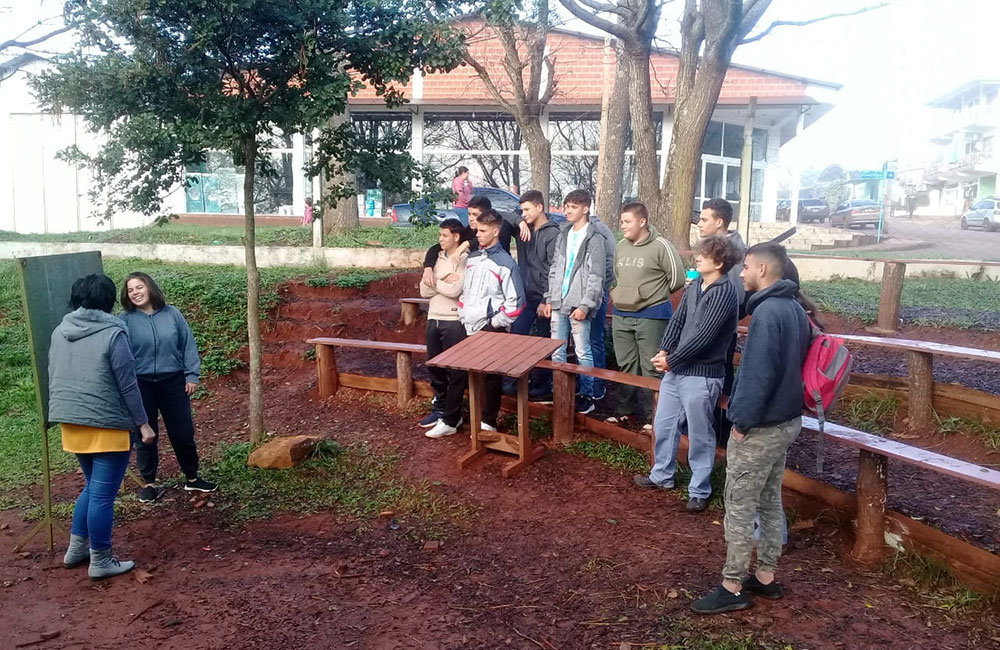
890	61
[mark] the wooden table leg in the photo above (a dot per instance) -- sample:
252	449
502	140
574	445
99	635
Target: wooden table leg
476	416
527	454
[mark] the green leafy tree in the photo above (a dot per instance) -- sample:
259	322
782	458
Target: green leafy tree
165	81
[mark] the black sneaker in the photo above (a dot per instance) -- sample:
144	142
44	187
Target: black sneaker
641	480
200	485
603	393
584	405
771	591
431	419
721	600
150	493
696	504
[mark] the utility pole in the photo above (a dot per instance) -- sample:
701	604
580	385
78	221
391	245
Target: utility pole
746	169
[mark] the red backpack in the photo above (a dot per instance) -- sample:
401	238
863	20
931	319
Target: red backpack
825	374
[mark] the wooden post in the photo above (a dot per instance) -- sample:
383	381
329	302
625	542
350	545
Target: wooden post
404	378
326	370
873	487
475	417
408	311
921	390
563	406
889	300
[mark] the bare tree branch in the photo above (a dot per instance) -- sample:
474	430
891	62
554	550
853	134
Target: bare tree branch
574	8
35	41
810	21
604	7
484	75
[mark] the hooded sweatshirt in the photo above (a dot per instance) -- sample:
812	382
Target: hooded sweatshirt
444	294
538	254
586	280
646	273
610	242
734	273
162	343
92	373
768	388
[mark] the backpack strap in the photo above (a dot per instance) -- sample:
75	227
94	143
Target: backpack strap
821	440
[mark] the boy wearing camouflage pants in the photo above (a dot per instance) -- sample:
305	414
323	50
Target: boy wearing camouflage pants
766	411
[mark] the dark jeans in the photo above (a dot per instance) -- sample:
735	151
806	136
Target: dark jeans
492	389
165	396
598	344
540	380
93	515
448	385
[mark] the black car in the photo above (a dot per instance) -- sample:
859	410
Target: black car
809	210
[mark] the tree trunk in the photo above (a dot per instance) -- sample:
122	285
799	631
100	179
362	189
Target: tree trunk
343	215
540	155
643	127
691	117
611	160
256	415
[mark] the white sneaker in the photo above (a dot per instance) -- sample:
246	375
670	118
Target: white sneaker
441	430
485	427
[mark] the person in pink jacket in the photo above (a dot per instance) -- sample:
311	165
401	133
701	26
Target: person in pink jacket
462	187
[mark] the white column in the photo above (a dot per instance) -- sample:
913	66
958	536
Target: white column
769	201
417	142
667	132
299	178
796	173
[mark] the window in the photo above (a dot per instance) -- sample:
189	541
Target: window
713	139
983	205
499	199
760	145
732	141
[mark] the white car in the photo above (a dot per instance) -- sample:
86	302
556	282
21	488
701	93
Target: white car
983	214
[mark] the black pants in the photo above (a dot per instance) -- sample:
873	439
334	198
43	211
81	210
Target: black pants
493	389
449	385
165	396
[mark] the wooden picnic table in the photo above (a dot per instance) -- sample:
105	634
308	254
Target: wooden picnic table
499	353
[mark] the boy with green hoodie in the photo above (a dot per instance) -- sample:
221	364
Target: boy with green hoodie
648	269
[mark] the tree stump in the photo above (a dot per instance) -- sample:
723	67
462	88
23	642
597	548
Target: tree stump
873	488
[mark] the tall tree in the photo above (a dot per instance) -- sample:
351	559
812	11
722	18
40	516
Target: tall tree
710	31
523	37
164	81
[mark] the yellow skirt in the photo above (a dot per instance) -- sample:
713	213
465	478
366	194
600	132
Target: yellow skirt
79	439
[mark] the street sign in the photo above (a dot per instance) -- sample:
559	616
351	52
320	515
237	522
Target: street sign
876	174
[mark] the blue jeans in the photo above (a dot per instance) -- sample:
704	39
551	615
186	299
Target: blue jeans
95	507
691	399
463	215
597	342
541	380
562	327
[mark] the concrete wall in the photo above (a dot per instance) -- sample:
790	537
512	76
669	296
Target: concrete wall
810	268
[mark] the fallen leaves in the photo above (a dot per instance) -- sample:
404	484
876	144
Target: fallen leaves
142	576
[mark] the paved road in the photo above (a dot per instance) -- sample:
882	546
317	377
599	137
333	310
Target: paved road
947	239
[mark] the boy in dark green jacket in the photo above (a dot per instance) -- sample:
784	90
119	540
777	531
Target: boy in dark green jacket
647	270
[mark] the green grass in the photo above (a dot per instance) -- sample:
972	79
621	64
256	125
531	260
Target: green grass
989	435
177	233
859	299
872	412
613	454
933	583
355	480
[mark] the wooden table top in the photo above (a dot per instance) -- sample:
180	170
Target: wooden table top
497	353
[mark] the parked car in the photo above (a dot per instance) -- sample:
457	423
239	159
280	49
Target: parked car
857	214
809	210
983	214
501	200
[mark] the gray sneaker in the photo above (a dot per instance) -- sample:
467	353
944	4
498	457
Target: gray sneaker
78	551
642	481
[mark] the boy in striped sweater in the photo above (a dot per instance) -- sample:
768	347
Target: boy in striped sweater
693	357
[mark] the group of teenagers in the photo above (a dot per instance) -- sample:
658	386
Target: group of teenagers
110	380
560	286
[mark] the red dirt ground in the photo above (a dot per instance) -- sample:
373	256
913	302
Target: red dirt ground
565	555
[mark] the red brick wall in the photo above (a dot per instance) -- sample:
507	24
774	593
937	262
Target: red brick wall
579	66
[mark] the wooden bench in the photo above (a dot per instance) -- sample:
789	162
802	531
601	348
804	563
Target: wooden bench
409	309
326	363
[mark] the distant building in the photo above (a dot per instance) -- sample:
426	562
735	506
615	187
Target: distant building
451	119
968	158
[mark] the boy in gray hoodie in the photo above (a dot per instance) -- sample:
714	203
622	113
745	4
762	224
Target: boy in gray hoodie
576	288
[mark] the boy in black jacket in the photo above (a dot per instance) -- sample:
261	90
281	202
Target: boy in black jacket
694	345
766	411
